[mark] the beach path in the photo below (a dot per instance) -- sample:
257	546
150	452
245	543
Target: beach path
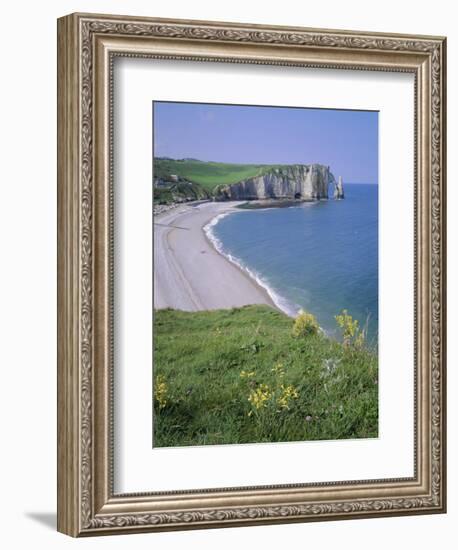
189	273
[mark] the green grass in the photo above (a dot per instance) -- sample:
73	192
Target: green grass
201	397
177	191
208	174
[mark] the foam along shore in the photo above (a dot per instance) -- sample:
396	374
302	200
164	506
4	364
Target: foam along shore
189	273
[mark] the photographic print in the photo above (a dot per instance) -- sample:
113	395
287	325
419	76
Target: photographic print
265	226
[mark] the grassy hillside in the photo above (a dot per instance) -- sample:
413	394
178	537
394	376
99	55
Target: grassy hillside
207	174
240	375
176	192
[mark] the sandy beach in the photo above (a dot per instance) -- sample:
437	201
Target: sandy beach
189	273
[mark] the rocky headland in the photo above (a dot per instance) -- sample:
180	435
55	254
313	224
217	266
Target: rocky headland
295	182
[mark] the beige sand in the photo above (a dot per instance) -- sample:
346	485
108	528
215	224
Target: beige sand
189	273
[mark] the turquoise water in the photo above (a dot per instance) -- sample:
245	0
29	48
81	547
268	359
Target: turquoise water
322	256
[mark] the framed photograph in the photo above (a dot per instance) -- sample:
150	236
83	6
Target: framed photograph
251	290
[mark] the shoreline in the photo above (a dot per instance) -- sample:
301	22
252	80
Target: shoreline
194	275
213	240
244	271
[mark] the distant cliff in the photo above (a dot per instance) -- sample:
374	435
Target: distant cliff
338	189
296	181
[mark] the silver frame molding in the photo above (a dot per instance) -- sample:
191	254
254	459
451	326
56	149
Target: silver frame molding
87	45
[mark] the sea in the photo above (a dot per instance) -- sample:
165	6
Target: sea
320	256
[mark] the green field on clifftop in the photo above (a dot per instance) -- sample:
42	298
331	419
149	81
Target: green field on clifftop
208	174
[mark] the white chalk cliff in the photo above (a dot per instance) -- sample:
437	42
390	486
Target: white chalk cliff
297	181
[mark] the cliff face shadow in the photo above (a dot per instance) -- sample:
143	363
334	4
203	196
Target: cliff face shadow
48	519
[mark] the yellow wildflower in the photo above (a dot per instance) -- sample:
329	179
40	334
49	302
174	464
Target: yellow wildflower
287	394
246	374
359	340
259	397
278	369
160	391
305	324
350	329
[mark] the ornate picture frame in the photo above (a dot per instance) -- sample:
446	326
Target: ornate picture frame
87	46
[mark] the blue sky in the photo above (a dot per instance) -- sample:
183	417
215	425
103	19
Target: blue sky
347	141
